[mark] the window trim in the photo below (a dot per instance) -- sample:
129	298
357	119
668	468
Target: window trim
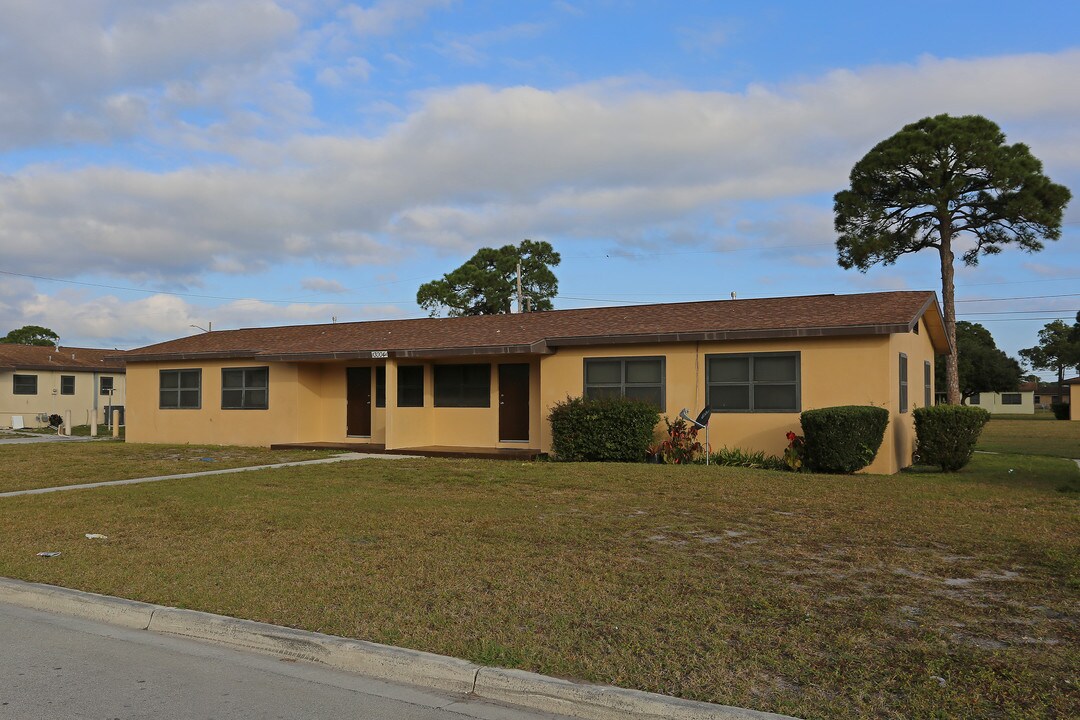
15	378
179	388
63	381
903	373
1018	398
435	386
380	386
797	354
245	387
111	390
975	399
623	384
928	379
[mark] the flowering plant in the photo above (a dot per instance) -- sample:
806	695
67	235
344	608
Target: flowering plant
682	444
793	454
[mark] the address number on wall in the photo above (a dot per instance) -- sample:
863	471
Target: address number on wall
379	354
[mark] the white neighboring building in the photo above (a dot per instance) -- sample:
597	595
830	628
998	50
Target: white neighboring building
1007	403
36	382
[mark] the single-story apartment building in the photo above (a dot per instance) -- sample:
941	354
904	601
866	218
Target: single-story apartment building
491	381
1021	402
39	381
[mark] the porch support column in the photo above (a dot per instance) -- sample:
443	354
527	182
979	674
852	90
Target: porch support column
391	403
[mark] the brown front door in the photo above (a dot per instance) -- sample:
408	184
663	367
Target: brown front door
358	402
514	402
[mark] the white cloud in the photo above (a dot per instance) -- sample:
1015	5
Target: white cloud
355	68
386	16
108	321
100	69
322	285
478	165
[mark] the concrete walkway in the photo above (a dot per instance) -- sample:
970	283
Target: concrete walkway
157	478
28	438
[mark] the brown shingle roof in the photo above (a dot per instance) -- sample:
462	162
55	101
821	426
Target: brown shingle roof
34	357
815	315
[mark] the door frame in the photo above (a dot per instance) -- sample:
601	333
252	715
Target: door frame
524	413
370	400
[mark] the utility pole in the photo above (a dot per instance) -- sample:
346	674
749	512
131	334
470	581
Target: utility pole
520	294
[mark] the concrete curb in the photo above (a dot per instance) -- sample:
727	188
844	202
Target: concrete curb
399	665
598	702
89	606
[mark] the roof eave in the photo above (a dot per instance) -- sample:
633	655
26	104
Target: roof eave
726	335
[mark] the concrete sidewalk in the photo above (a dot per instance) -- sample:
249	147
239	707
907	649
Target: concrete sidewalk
381	662
158	478
26	439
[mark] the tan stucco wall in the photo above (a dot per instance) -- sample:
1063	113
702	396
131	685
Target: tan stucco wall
834	371
1074	401
290	389
900	435
308	404
49	400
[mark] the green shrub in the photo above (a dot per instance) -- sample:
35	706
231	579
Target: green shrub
946	434
1061	410
736	457
843	439
607	430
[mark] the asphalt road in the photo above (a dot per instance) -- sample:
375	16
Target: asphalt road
54	667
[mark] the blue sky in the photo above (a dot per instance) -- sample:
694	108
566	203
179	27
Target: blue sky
169	164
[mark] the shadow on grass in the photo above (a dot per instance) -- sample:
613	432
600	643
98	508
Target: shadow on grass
1035	472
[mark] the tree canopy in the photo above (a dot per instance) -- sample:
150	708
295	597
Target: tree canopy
487	283
982	366
31	335
938	180
1058	348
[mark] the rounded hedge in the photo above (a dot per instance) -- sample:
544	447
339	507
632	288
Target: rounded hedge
602	430
843	439
946	434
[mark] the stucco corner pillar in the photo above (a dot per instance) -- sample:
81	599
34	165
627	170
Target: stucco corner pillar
391	440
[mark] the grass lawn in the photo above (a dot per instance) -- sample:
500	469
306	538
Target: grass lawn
915	595
37	465
1060	438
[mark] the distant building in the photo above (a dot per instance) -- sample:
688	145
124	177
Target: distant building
1046	394
36	382
1006	403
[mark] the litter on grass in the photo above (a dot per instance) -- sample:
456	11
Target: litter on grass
52	553
96	536
208	459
